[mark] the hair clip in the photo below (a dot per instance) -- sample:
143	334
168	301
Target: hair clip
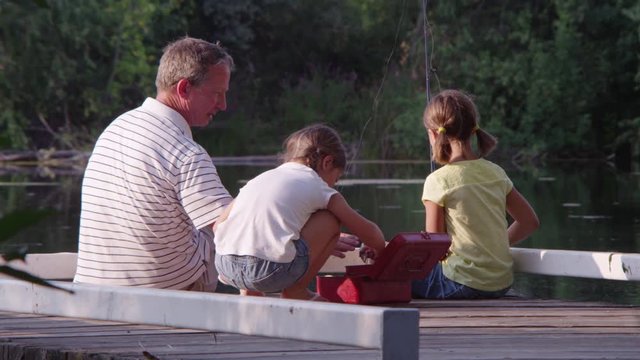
442	130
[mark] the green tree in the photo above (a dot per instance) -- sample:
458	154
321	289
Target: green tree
549	77
70	66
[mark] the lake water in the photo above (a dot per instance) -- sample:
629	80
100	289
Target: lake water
584	206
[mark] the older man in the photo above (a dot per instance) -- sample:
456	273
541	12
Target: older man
150	193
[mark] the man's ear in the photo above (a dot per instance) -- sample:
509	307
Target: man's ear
183	87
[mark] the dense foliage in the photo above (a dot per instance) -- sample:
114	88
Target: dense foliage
551	78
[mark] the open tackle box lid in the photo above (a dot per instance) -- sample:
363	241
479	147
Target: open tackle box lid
408	256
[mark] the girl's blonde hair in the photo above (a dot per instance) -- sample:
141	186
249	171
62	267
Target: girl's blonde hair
454	116
312	143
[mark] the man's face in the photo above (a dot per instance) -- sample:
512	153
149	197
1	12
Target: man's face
209	97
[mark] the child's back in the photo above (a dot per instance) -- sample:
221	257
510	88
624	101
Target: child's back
473	194
270	210
469	197
285	223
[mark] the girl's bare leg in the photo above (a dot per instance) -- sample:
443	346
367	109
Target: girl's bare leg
321	233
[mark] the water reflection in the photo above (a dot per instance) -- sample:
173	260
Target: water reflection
581	207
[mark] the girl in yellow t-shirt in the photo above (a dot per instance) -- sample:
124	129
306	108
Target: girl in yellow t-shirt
469	198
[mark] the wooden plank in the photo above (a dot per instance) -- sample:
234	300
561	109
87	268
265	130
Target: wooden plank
529	312
511	302
47	321
574	331
532	347
14	351
311	355
32	334
183	344
13	315
550	314
391	330
91	330
531	321
572	343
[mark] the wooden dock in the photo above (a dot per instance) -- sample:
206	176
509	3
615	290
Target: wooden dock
135	323
510	328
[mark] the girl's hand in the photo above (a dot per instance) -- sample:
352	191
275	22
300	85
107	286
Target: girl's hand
346	242
525	220
368	253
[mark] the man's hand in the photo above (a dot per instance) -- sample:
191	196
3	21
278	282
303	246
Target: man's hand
346	242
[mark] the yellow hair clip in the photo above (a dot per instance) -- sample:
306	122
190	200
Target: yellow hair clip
442	130
476	128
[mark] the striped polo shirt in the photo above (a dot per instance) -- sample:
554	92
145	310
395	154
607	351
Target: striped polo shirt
148	195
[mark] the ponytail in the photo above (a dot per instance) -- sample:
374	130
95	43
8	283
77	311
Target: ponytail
441	148
454	116
486	142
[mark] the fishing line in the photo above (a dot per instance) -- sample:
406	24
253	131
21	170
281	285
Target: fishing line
427	71
379	91
425	26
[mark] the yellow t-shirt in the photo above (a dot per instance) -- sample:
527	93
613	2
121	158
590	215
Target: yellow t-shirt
473	194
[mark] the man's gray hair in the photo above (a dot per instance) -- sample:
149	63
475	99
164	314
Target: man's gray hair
189	58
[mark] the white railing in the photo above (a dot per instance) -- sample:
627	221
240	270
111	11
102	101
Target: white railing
587	264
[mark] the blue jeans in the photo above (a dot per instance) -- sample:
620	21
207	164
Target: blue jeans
438	286
252	273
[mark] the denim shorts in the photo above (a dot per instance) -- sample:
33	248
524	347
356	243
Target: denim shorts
252	273
437	286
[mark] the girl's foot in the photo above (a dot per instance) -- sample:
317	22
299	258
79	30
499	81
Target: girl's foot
302	295
251	293
318	297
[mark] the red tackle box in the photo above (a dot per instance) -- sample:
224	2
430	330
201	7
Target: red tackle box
408	256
